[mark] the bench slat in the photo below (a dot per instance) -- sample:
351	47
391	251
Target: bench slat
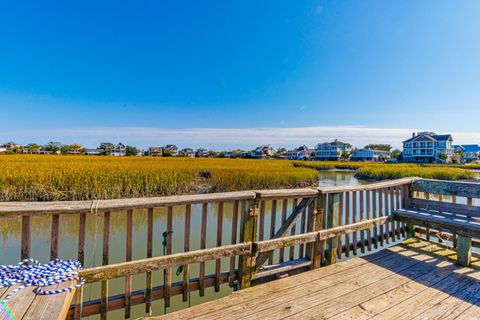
448	188
454	208
426	219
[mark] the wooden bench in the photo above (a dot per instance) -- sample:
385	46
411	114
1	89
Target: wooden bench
26	304
458	219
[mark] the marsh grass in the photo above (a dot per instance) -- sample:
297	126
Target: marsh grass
46	178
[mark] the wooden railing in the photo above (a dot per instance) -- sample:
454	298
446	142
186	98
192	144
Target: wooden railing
453	197
251	237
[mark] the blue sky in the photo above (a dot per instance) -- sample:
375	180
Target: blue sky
238	73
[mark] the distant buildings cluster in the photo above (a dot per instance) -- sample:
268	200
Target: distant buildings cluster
422	147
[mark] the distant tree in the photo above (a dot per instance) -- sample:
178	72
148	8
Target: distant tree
345	155
383	147
280	152
131	151
236	154
106	147
33	148
212	153
167	153
221	154
53	146
395	153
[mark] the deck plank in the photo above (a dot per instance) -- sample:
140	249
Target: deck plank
54	306
401	282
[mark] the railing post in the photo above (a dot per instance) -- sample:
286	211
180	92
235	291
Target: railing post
248	233
318	216
407	198
464	251
333	212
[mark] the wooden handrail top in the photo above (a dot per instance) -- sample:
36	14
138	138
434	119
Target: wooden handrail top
86	206
370	186
92	206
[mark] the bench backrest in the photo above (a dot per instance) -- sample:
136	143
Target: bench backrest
465	190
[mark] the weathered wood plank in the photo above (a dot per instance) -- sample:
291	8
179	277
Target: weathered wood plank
122	269
52	306
233	241
186	248
26	237
55	226
148	279
248	234
218	262
464	250
347	221
105	256
362	217
203	245
81	237
354	220
455	208
365	187
291	252
128	257
62	207
333	206
284	219
273	215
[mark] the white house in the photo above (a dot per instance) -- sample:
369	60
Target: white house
369	155
300	153
202	153
428	147
171	149
263	152
119	150
332	150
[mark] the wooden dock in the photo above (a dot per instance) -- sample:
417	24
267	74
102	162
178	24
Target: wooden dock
401	282
292	236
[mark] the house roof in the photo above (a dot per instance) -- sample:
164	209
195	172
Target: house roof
336	142
470	148
430	137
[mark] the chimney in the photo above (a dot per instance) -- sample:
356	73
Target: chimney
413	134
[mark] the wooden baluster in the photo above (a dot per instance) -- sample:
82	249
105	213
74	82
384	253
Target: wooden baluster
454	236
148	284
386	212
362	217
105	254
339	223
303	222
406	204
399	205
392	209
128	257
369	216
233	241
311	225
77	314
169	229
261	227
292	232
54	236
26	236
218	262
186	248
168	286
318	224
374	216
332	221
248	234
354	220
347	221
273	216
81	238
380	214
203	245
427	229
284	218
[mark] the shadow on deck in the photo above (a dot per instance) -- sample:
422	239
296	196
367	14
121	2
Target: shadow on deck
414	280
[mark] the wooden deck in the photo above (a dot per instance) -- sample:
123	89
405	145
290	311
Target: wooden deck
25	304
401	282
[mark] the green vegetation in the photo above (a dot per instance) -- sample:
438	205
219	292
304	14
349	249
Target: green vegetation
53	177
381	171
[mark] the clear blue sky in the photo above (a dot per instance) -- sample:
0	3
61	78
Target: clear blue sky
175	65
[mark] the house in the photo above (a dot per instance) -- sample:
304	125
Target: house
265	151
300	153
332	150
233	153
202	153
170	149
470	152
428	147
119	150
155	151
93	152
12	147
187	152
369	155
3	150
